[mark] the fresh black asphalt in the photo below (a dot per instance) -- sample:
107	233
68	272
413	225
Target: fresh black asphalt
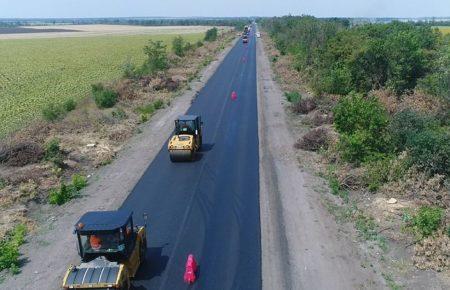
209	207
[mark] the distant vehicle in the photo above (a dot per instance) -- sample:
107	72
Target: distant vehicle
246	30
245	39
258	34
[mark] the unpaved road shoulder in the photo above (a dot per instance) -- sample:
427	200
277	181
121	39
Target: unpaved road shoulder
302	247
52	248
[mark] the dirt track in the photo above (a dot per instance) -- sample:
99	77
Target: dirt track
302	247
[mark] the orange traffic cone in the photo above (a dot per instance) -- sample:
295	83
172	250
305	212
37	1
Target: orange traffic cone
191	268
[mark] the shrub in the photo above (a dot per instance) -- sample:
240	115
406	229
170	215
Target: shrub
377	173
430	151
53	152
158	104
405	125
143	118
128	69
188	46
157	61
178	46
427	220
304	106
211	34
9	249
147	109
366	227
119	113
104	97
70	105
293	97
362	124
199	43
62	195
385	169
52	112
79	181
336	81
314	140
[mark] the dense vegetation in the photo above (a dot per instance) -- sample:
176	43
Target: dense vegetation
340	59
388	89
352	61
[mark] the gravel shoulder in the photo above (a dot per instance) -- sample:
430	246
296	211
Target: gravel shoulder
302	245
51	248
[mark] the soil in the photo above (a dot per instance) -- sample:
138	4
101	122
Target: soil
51	247
95	30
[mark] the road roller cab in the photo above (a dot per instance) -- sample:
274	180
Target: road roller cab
187	138
111	249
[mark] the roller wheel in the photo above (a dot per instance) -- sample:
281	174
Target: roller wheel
143	250
126	285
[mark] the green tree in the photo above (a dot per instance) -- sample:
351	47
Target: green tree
211	34
156	52
362	124
178	46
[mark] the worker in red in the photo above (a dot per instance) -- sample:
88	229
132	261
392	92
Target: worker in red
96	242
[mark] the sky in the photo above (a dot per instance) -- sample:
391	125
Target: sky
222	8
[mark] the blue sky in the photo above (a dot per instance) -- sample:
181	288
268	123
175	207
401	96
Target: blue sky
181	8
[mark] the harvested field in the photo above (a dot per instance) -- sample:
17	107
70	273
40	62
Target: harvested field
21	30
444	29
56	31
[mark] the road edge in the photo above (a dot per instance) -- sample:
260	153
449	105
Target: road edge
275	273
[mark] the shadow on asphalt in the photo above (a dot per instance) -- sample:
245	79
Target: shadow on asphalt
206	147
154	265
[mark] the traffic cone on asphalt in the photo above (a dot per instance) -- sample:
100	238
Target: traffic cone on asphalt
191	268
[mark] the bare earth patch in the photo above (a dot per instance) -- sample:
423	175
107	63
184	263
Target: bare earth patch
103	29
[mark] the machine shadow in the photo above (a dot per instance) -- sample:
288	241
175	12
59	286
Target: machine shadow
206	147
154	265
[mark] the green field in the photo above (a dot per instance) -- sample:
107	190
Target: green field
35	72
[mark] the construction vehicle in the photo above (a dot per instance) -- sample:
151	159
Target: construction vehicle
187	138
246	30
111	250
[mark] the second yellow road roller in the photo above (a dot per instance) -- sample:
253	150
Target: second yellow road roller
187	138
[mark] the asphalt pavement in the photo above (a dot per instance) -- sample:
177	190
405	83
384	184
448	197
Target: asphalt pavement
209	207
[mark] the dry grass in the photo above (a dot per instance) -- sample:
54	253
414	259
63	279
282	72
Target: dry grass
444	29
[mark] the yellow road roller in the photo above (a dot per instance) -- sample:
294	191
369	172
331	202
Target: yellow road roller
187	138
111	248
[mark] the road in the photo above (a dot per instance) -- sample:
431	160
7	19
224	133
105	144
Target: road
209	207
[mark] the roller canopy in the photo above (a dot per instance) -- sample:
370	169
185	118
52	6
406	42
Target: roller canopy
103	220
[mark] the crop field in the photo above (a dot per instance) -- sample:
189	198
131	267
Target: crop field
444	29
36	72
